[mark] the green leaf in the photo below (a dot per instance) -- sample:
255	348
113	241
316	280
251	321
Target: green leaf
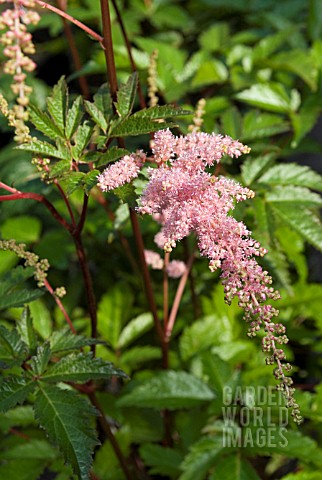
102	100
81	139
96	115
126	96
292	174
293	444
90	180
133	357
300	62
253	167
113	153
270	96
303	475
164	461
270	43
210	71
26	330
80	368
293	195
23	228
72	181
12	349
32	449
302	220
231	122
203	334
19	298
75	114
43	123
233	467
39	362
161	112
57	104
12	294
41	318
258	124
21	416
137	126
135	329
170	389
203	455
14	390
59	169
113	311
64	340
66	418
215	38
304	120
43	148
25	469
315	20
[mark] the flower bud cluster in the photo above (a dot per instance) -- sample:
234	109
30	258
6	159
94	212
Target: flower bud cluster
15	120
31	259
18	46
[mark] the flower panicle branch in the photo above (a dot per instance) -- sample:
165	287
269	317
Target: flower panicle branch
186	198
40	266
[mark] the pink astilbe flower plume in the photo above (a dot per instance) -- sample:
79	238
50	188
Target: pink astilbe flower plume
121	172
186	199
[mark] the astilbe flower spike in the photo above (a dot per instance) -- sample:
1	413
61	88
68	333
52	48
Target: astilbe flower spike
18	46
185	198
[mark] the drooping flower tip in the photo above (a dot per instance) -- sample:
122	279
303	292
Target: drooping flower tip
121	172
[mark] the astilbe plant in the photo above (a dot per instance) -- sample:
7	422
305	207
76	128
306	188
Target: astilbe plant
186	198
182	194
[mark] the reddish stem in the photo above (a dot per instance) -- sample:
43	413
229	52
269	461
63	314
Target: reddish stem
165	290
60	305
108	432
61	191
146	276
38	198
111	71
82	219
129	51
73	49
177	299
91	301
107	43
63	14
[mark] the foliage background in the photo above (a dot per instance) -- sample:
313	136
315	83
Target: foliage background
258	64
